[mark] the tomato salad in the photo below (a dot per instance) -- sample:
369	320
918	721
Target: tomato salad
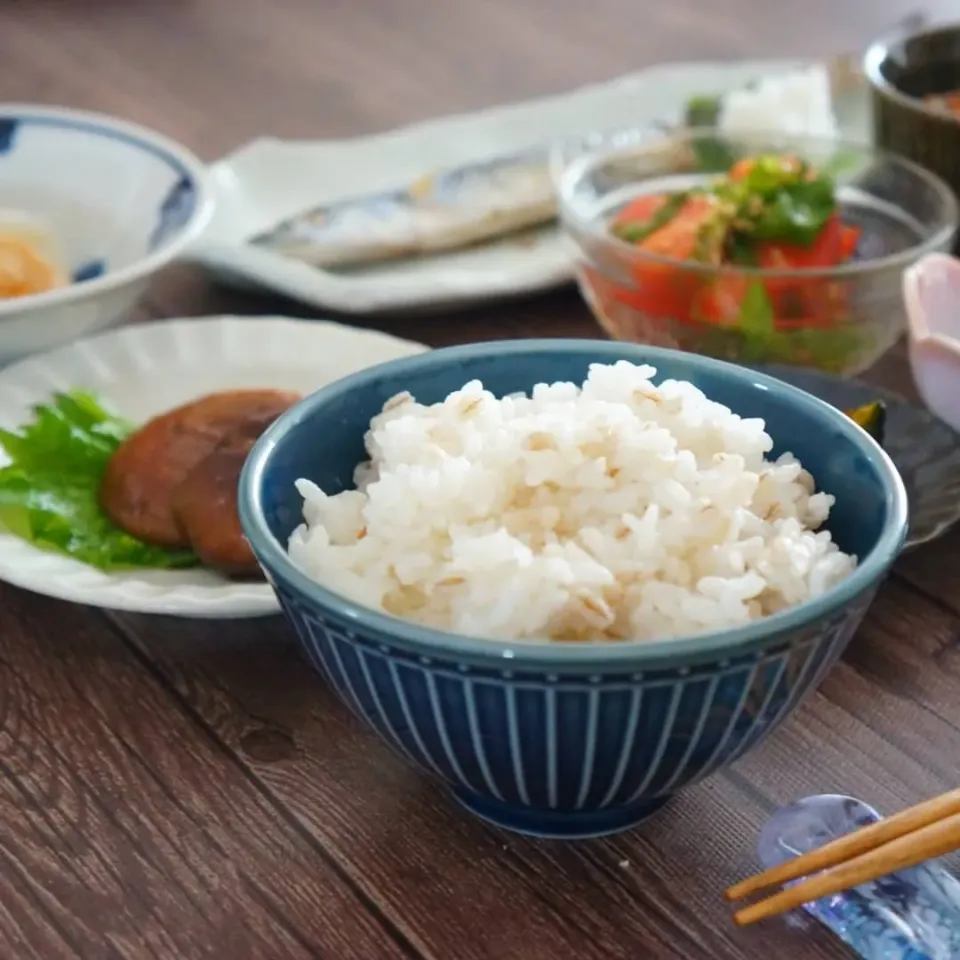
767	212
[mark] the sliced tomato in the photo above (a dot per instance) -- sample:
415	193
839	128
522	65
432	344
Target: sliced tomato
742	168
606	290
819	304
719	301
825	251
660	290
812	301
849	238
667	289
835	244
678	238
641	209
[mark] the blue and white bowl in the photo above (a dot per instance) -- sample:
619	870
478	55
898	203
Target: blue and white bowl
569	739
117	202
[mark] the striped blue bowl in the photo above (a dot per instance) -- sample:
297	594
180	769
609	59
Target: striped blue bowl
568	740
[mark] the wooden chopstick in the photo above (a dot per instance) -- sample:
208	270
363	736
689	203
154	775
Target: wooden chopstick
930	841
852	845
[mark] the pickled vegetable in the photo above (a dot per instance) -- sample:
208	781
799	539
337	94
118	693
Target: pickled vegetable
872	417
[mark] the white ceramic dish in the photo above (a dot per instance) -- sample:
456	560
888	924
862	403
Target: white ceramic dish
931	291
269	180
116	201
144	370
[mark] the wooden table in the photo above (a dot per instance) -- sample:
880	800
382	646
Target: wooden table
176	790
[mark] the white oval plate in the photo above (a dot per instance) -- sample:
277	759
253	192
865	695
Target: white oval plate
144	370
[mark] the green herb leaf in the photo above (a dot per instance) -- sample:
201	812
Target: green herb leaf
702	111
796	212
756	321
740	250
636	231
49	492
831	350
761	342
711	154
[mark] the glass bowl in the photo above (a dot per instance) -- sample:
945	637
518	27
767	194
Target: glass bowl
839	319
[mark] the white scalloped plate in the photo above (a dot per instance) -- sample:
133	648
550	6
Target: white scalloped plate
144	370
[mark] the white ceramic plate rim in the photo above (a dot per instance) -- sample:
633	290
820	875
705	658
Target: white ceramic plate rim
144	369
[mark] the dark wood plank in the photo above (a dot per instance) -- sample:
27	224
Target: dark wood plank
187	292
885	723
935	570
126	831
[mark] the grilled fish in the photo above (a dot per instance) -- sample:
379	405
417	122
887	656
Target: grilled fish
443	211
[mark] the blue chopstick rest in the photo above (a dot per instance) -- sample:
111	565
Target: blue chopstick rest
910	915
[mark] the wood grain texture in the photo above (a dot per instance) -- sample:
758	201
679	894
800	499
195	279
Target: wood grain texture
176	789
215	73
126	831
882	727
470	891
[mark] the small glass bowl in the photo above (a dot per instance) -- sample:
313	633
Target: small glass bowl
901	210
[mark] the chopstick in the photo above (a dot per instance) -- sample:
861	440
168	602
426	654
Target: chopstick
920	833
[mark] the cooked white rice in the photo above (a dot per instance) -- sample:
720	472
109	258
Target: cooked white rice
616	511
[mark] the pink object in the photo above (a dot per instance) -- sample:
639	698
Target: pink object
931	290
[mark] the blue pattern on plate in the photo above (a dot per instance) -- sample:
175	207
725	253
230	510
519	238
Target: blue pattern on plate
175	211
8	133
910	915
89	270
177	206
12	124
